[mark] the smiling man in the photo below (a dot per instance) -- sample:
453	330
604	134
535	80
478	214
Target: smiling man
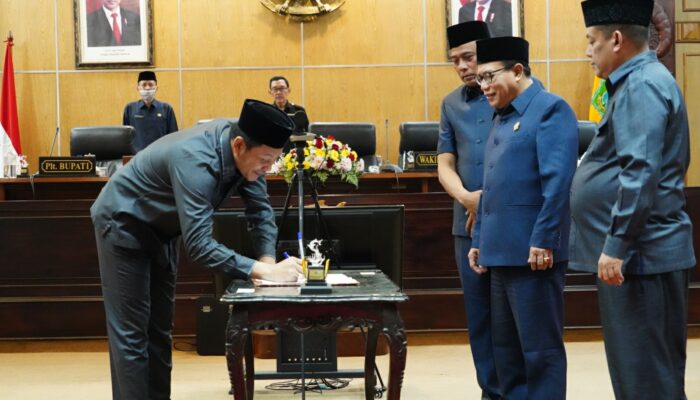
628	206
522	228
165	195
113	25
465	121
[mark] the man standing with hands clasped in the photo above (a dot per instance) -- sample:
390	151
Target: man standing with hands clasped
629	223
522	227
167	195
465	122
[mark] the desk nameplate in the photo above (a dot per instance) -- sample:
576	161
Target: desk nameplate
67	166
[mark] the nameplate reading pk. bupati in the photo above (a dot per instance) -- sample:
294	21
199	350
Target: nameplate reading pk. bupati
67	166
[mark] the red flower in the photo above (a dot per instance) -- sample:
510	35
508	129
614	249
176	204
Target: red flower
336	147
351	157
329	163
331	137
319	143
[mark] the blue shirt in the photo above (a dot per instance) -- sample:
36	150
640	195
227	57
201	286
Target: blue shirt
627	196
529	162
465	121
171	190
151	123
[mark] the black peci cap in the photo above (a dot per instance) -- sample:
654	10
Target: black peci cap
625	12
466	32
147	76
265	123
502	49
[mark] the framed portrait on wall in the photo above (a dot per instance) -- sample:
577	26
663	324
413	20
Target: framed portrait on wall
113	33
504	17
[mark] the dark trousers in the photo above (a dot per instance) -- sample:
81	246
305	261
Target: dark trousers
527	314
139	295
477	303
644	327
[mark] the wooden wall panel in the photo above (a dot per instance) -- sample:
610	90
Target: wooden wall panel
539	71
441	81
435	31
573	81
212	94
535	25
38	122
34	41
66	35
691	88
220	33
368	95
165	34
367	32
568	37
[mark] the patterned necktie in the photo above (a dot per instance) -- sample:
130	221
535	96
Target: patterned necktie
115	29
480	14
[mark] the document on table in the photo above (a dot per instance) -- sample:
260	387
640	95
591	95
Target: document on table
333	279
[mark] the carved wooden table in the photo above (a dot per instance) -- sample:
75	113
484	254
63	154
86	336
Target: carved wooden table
372	304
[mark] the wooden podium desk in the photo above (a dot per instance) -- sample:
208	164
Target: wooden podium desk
372	304
51	188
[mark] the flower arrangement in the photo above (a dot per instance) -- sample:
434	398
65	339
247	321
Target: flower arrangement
324	157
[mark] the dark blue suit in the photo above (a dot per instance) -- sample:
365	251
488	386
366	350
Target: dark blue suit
465	121
529	164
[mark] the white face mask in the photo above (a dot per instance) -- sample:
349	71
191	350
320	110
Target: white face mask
147	94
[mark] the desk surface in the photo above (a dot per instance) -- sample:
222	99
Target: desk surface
374	286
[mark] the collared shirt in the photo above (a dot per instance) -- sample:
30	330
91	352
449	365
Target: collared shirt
171	190
465	121
151	123
627	196
529	162
108	14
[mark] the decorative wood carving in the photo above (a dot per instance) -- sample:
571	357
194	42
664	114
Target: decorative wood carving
302	10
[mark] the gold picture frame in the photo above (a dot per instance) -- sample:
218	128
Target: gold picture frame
504	17
99	45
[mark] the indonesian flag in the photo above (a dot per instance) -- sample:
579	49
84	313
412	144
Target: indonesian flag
9	123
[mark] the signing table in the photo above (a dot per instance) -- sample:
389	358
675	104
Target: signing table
371	304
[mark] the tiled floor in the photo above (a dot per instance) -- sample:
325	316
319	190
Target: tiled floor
80	370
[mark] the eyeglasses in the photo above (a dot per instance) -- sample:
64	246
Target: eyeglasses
487	77
278	89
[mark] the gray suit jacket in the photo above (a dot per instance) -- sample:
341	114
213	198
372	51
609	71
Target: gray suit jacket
627	196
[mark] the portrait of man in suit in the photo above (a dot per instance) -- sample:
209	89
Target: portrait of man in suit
113	25
497	14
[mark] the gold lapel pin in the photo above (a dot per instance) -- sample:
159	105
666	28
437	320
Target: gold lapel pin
516	127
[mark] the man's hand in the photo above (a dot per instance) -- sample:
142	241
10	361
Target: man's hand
610	270
287	270
473	257
540	259
470	201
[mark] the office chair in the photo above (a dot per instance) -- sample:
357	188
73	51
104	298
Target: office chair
586	132
360	136
107	143
417	137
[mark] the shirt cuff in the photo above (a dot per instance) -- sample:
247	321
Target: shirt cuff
615	247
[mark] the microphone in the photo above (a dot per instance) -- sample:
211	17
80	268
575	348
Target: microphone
54	141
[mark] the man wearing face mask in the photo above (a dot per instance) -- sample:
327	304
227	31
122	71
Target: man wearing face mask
151	118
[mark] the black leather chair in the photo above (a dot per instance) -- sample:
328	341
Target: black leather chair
586	131
361	137
417	136
107	143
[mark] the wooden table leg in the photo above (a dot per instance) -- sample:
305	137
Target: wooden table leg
396	336
249	368
237	333
370	354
